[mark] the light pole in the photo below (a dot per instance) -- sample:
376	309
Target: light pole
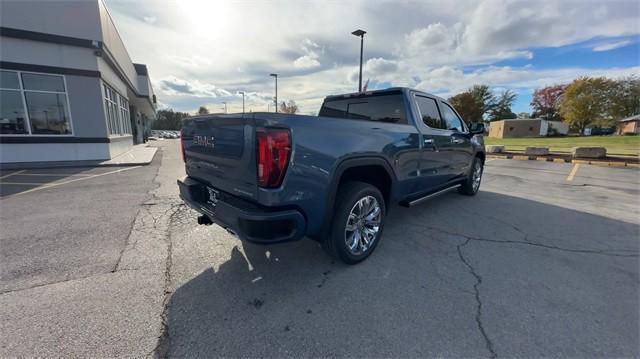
242	92
361	34
276	101
225	106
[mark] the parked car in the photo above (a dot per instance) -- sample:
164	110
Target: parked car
269	177
599	131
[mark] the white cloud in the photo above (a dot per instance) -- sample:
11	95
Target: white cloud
312	53
189	46
150	19
174	86
306	62
611	45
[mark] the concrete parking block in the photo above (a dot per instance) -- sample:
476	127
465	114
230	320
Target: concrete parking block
536	151
589	152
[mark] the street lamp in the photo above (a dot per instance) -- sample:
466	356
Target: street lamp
276	101
361	34
242	92
225	106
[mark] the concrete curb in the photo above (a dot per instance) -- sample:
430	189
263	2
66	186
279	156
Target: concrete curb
118	161
566	160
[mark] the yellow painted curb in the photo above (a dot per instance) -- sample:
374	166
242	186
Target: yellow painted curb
562	160
582	162
606	164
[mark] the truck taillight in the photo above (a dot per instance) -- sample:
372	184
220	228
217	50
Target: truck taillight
184	157
273	151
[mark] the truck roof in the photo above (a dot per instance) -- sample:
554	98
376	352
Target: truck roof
381	91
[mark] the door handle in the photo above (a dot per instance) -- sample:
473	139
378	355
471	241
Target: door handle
456	140
428	141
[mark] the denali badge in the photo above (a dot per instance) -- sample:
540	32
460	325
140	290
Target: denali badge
205	141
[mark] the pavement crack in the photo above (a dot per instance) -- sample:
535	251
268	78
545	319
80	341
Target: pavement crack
476	290
604	252
56	282
163	345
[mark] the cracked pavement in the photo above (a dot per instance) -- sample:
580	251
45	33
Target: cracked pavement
533	266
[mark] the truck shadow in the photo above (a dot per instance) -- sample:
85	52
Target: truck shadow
415	296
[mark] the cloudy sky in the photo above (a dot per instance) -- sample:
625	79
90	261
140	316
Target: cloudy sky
205	52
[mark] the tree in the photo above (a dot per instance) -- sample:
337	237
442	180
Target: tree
524	115
587	101
484	96
545	102
501	108
467	106
168	120
626	98
203	111
289	107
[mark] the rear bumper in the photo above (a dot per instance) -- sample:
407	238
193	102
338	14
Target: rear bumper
249	221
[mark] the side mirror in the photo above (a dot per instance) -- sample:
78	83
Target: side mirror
476	128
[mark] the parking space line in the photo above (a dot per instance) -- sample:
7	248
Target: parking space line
573	172
55	175
11	174
45	186
23	183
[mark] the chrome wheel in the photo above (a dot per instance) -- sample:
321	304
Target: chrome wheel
363	225
477	176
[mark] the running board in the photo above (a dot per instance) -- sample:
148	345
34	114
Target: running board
429	196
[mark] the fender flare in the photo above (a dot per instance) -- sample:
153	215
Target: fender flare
340	168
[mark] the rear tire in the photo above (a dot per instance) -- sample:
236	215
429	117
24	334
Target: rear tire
471	184
357	224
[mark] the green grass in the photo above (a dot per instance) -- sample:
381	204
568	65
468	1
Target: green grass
616	145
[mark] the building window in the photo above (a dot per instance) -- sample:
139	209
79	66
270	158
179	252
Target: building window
32	103
116	112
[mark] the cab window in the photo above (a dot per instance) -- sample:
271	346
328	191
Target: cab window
429	112
451	119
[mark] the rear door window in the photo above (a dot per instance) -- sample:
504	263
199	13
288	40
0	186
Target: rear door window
429	112
451	119
378	107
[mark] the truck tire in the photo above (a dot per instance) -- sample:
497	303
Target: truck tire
357	223
471	185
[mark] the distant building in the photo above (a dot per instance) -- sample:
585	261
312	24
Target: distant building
534	127
629	125
68	88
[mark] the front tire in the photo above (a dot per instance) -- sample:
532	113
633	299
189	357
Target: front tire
357	223
471	184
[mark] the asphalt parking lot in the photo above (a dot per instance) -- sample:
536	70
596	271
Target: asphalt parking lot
542	262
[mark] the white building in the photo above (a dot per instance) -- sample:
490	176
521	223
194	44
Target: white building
68	88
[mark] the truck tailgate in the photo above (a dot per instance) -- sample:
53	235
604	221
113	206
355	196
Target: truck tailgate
220	151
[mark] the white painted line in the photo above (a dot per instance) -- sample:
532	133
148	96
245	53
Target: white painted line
11	174
45	186
573	172
55	175
22	183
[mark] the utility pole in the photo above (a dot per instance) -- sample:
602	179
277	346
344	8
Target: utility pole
360	33
276	100
225	106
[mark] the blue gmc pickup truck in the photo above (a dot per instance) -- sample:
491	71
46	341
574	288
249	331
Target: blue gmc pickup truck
269	177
